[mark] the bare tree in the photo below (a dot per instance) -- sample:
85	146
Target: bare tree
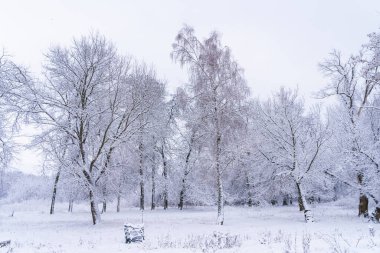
292	143
354	81
92	84
219	88
13	78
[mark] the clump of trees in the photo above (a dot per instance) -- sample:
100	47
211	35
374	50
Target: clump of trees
110	132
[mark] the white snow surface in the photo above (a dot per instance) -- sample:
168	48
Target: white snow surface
258	229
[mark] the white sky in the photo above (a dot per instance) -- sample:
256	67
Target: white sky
277	42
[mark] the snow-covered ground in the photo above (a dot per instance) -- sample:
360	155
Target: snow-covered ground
257	229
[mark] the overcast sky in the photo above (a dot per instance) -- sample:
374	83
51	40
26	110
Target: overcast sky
277	42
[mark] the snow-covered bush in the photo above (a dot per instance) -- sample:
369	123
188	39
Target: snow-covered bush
206	243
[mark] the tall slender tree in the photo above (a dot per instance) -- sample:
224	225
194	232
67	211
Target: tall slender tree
219	88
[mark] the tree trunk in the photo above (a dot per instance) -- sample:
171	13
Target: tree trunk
119	192
182	194
71	203
303	204
118	203
217	152
335	198
54	192
165	174
104	208
141	171
142	195
363	199
220	219
376	214
186	172
94	208
250	201
363	205
287	200
153	202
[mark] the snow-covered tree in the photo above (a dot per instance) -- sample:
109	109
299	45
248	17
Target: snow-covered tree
13	78
355	82
292	142
219	89
90	96
189	140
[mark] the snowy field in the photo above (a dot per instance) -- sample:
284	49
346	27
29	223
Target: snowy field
258	229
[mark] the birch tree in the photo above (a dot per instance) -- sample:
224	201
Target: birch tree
219	88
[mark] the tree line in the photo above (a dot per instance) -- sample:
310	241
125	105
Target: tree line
109	131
